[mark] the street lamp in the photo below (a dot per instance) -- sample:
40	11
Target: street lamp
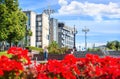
74	33
85	30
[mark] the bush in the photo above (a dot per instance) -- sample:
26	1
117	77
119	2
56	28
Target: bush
30	48
93	49
57	50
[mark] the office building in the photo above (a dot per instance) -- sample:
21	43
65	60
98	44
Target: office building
30	25
65	36
53	30
42	30
43	33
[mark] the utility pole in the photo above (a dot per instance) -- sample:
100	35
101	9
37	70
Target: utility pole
85	30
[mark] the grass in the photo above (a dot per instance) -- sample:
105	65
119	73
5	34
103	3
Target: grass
5	53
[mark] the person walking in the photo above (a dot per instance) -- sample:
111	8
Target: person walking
45	53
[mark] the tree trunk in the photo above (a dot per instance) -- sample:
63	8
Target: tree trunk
16	44
10	44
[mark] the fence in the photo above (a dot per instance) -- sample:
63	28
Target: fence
76	54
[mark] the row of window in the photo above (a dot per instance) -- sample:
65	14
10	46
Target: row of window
38	44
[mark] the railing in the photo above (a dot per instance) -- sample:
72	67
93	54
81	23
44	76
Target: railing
50	56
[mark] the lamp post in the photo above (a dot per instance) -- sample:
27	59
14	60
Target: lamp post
79	48
85	30
74	33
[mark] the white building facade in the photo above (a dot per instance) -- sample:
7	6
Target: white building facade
42	30
31	25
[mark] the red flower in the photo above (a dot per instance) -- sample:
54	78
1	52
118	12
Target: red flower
42	76
19	54
1	73
90	67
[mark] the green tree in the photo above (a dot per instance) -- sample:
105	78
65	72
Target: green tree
27	35
14	26
3	21
64	50
29	32
54	44
115	45
53	47
109	45
17	27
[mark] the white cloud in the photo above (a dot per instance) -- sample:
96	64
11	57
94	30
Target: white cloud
98	18
111	10
63	2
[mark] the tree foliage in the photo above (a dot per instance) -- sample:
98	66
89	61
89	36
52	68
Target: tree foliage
13	22
93	49
115	45
29	32
54	44
54	48
3	21
64	50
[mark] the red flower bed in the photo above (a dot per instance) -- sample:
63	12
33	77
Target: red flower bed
90	67
13	67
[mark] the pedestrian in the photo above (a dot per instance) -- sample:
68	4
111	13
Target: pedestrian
72	51
45	53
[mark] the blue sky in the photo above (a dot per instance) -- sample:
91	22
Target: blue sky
101	17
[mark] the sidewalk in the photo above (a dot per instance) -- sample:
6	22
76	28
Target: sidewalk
38	62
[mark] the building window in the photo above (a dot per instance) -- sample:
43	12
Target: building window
38	34
48	37
38	38
39	28
39	43
39	23
39	19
